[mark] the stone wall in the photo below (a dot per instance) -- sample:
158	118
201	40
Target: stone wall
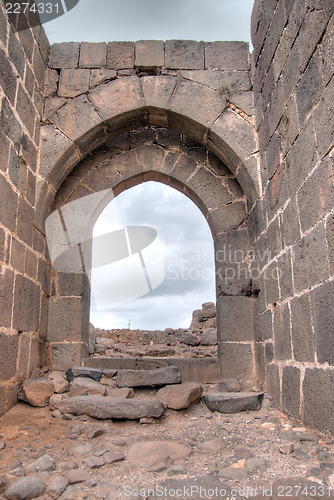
23	268
293	221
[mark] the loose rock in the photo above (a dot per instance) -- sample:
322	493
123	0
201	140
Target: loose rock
104	407
43	463
111	458
147	453
25	488
93	462
233	473
231	402
36	391
76	475
181	395
57	486
60	384
85	386
255	464
83	371
229	385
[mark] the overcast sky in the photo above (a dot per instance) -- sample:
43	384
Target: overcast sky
184	241
107	20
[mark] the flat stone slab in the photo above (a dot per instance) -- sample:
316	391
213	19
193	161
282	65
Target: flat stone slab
103	407
83	371
234	402
149	378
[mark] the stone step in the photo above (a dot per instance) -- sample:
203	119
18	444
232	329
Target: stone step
149	378
201	370
234	402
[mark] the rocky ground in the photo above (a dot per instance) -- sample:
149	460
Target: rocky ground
189	453
197	341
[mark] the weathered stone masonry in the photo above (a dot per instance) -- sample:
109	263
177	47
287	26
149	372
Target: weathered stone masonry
181	113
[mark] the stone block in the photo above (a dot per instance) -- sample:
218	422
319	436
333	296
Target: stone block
198	103
234	402
291	391
184	54
181	395
322	302
67	319
227	218
310	86
64	55
9	353
25	221
158	90
318	389
10	125
227	55
149	54
282	334
236	361
93	55
6	297
235	319
284	265
290	223
316	196
207	187
303	341
73	82
327	49
79	121
120	55
82	386
25	110
26	305
67	354
292	71
212	79
51	105
87	372
310	259
120	96
159	376
105	408
322	118
273	384
239	81
70	284
16	54
36	391
98	76
39	68
8	80
17	255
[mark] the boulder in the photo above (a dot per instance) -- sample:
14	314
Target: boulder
25	488
208	305
234	402
189	338
180	395
108	343
36	391
148	453
104	407
209	336
60	384
149	378
83	371
206	314
84	386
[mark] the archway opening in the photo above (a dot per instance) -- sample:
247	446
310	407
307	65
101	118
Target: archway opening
144	300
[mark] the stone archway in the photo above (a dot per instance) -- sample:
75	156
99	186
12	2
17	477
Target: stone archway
71	145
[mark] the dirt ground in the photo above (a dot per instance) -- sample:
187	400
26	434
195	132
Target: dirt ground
221	445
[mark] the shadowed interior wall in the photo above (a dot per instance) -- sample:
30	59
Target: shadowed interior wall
294	93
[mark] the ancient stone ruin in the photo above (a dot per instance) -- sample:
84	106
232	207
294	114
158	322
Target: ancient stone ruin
247	137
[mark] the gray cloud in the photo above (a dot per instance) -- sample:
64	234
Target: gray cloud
187	245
